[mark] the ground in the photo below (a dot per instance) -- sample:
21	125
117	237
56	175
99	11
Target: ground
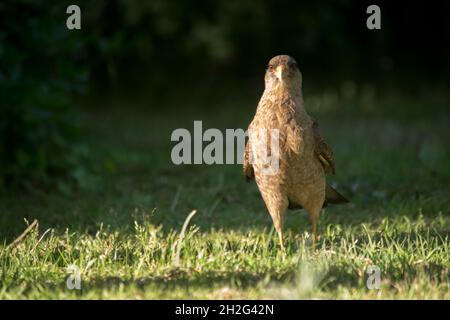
123	228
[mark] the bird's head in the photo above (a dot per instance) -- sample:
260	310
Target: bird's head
282	72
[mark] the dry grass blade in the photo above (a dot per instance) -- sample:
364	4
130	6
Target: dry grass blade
41	238
179	243
24	234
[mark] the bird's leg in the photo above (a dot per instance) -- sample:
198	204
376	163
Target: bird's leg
277	205
277	218
314	213
314	231
280	236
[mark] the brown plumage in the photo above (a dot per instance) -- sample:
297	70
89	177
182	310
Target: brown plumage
303	156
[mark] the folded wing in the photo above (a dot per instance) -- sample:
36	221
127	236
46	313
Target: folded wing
323	151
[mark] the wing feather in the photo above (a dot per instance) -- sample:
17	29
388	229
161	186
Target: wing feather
248	168
323	151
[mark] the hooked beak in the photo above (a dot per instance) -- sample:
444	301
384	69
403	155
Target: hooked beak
279	71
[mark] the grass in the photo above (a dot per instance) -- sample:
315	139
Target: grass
123	229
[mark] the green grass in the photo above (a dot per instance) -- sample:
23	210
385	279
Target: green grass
123	228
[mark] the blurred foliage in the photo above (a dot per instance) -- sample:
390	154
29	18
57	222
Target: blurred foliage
155	44
39	135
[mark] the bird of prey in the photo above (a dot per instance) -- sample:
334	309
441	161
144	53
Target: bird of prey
303	157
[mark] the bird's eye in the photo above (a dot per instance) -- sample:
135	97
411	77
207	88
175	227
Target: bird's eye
270	67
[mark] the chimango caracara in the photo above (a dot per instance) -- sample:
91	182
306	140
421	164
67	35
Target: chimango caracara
297	180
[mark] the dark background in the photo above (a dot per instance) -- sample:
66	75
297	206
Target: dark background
181	50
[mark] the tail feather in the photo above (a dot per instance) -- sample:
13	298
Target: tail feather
333	197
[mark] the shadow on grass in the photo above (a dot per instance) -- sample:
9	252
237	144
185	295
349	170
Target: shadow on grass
176	279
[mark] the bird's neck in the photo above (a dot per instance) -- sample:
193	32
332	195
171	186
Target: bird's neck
286	96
